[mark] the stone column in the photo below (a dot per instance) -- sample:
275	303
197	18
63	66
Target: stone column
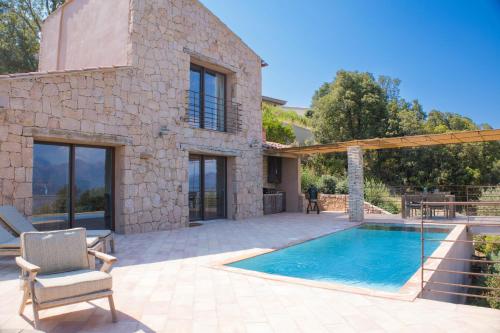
356	183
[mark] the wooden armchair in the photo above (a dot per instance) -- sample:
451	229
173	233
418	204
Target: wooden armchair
56	271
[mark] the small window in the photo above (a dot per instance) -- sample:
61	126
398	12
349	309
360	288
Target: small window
207	99
273	170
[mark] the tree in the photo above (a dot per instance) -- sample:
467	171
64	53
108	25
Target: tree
276	131
355	107
20	31
376	109
322	91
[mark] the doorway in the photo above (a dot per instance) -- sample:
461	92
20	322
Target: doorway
207	187
72	186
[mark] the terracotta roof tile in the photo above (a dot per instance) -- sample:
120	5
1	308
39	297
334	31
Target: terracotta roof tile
274	145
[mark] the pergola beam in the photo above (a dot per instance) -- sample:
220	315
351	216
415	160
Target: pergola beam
414	141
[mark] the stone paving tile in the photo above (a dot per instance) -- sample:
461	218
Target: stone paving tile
165	282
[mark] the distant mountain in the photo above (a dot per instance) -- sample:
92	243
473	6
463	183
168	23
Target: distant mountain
49	178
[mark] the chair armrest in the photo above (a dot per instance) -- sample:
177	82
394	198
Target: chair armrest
106	258
28	267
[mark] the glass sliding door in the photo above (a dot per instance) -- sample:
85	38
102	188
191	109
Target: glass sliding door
207	187
214	189
92	188
51	186
72	187
195	202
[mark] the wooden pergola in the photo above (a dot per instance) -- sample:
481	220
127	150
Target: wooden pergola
355	149
397	142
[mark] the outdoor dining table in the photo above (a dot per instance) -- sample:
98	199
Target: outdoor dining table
410	204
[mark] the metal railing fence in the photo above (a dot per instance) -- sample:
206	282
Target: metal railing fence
480	269
212	113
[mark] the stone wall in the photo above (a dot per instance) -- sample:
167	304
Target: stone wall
333	202
356	183
128	107
340	203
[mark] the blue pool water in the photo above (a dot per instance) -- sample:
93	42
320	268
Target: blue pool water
376	256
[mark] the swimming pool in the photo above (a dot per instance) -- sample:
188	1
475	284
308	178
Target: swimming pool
375	256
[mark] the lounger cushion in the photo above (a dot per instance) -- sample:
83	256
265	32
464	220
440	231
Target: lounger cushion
68	284
14	243
56	251
19	224
6	237
15	220
98	233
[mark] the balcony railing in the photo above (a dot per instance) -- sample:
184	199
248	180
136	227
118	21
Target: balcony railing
212	113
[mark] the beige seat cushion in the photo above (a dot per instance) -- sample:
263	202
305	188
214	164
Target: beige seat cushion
98	233
92	241
56	251
69	284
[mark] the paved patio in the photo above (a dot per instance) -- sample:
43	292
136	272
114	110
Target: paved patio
164	282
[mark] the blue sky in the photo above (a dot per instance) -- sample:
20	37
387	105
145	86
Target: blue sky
446	52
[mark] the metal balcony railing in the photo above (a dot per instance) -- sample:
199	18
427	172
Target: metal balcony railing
212	113
463	277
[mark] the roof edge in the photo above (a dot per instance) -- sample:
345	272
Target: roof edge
61	72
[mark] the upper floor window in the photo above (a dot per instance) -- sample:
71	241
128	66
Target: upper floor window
207	99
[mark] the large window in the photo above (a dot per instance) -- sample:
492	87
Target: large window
207	99
207	187
72	186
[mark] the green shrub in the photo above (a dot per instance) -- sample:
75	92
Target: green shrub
378	194
375	192
493	296
489	194
308	179
327	184
276	131
486	244
342	186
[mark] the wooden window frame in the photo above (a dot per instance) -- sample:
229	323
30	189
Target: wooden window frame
72	190
202	70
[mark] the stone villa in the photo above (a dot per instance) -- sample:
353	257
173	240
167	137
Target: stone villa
142	122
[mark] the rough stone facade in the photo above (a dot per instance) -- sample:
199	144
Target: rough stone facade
140	110
356	183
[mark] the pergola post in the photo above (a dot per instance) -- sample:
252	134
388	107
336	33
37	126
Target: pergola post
356	183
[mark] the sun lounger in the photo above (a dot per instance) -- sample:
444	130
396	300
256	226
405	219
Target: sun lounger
11	245
19	224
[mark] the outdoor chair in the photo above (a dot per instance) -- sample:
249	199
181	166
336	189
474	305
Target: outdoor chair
19	224
312	199
56	271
